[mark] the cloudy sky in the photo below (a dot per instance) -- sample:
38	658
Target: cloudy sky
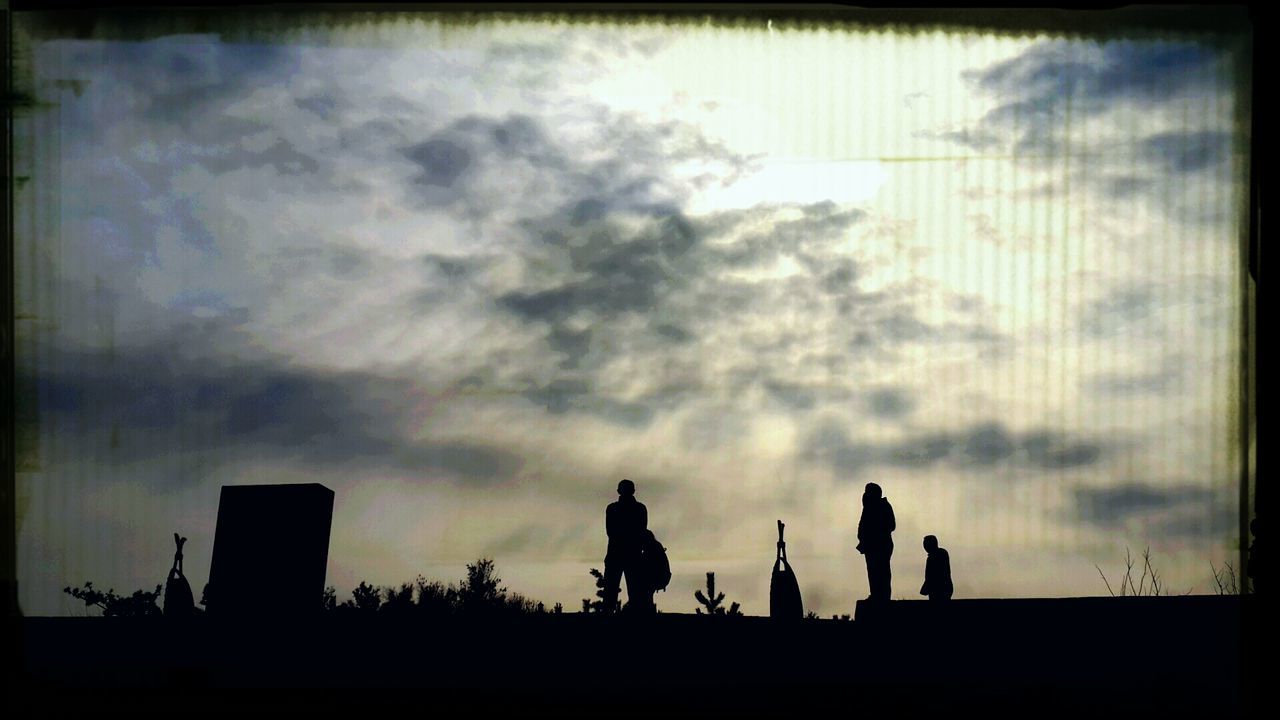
469	277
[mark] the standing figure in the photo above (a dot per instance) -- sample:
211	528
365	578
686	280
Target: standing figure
937	571
875	540
625	522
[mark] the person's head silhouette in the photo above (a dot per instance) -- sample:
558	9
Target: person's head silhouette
930	543
870	494
626	488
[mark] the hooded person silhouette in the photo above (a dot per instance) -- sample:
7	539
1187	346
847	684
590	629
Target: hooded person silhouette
625	522
875	539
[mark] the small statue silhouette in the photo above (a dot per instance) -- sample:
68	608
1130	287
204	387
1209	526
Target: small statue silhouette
937	571
178	601
784	591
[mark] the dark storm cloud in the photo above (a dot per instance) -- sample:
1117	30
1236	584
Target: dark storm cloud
565	395
1127	310
1179	510
1125	186
988	443
1038	88
1052	450
162	399
179	82
452	162
672	332
903	326
557	396
281	155
896	323
606	244
796	397
1156	381
572	345
980	446
1186	152
612	267
804	238
322	105
920	451
890	402
1046	94
615	272
830	444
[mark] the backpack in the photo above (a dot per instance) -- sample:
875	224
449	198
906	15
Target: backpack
656	565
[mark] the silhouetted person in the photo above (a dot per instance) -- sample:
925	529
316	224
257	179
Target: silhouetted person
178	601
875	539
625	522
937	571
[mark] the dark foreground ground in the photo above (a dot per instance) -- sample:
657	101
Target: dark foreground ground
1023	658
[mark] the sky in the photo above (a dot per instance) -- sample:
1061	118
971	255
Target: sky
471	276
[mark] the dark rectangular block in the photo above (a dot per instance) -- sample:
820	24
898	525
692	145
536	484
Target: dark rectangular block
270	549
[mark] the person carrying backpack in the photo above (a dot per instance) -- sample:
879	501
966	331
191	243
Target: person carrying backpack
626	522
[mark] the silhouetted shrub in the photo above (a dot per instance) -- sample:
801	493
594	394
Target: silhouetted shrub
364	599
139	604
397	600
713	602
435	598
480	592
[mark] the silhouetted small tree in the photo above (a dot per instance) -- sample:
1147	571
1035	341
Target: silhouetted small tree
481	590
1224	578
330	601
713	602
1148	583
599	605
140	604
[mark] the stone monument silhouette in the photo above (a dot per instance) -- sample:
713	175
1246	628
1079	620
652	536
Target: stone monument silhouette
270	550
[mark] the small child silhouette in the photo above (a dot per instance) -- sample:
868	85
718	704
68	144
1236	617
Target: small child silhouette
937	571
